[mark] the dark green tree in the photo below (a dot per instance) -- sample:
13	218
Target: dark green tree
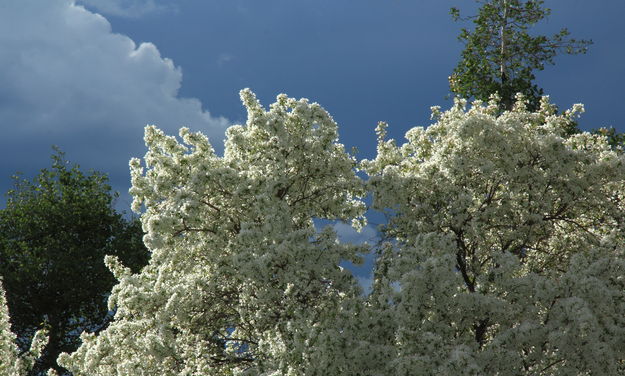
54	234
500	56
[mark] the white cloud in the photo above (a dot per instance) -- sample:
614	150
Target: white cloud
67	79
363	273
366	283
347	234
125	8
224	58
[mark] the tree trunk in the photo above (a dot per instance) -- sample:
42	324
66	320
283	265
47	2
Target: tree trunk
506	97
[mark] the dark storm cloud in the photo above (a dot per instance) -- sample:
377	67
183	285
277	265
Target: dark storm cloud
67	79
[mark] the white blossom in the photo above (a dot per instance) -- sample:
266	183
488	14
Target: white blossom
505	251
509	257
12	363
239	281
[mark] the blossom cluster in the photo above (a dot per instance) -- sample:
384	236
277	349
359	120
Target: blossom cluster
509	255
12	363
239	280
504	251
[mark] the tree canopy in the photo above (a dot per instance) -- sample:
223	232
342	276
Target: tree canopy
505	252
509	252
501	56
54	234
239	280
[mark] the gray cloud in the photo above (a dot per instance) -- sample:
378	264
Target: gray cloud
67	79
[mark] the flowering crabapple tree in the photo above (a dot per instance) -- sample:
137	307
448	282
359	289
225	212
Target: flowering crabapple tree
239	281
506	254
509	235
12	363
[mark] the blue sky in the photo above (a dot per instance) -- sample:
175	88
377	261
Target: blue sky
89	75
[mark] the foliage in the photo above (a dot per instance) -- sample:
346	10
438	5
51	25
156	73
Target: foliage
509	256
506	254
500	55
54	234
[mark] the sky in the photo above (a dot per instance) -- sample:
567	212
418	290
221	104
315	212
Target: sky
88	75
